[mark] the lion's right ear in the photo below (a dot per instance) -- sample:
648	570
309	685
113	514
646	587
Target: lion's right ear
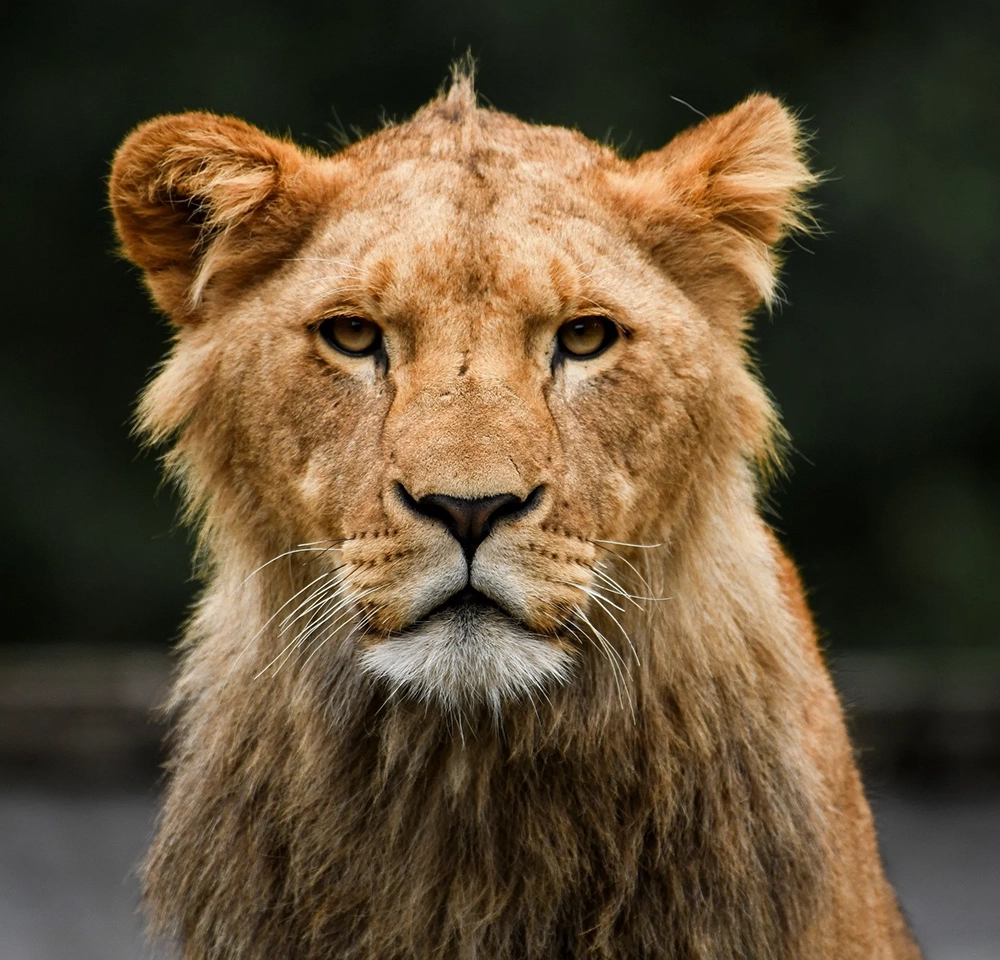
199	198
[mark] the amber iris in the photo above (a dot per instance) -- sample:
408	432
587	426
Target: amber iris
586	336
354	336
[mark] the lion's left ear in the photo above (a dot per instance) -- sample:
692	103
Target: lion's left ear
712	204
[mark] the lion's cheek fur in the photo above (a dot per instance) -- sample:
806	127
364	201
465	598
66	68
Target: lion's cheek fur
631	460
297	460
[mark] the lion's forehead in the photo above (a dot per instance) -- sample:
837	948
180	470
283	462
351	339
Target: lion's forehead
422	238
472	200
479	138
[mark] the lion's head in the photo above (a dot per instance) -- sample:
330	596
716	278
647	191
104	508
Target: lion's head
496	657
455	370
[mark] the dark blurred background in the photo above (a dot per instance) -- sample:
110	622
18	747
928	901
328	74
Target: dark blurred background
885	359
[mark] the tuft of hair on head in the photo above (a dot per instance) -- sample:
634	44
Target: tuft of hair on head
459	100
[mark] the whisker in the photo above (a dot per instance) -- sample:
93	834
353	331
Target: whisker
606	603
301	548
270	619
633	568
613	657
621	543
619	589
591	591
607	644
303	637
603	603
307	636
344	603
615	587
602	644
317	599
580	635
365	620
361	624
307	609
282	655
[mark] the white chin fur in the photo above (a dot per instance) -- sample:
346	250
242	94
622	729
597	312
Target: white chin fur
466	656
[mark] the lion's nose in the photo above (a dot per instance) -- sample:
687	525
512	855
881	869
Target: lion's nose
470	521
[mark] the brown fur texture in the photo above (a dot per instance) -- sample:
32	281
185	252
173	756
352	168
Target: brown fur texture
635	751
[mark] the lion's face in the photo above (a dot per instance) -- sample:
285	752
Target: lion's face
463	376
465	462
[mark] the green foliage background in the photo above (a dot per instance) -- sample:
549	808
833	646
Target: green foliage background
885	360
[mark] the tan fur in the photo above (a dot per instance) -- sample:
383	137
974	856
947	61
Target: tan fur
686	789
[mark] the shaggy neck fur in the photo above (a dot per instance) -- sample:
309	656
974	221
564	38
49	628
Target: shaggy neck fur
309	817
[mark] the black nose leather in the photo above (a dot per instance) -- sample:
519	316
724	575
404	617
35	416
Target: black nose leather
470	520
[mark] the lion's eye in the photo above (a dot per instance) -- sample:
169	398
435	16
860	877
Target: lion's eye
354	336
586	337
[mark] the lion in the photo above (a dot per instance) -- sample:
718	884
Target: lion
496	657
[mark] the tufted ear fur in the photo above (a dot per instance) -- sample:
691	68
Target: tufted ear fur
200	198
711	205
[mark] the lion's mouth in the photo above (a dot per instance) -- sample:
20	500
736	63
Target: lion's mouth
468	602
465	611
468	649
